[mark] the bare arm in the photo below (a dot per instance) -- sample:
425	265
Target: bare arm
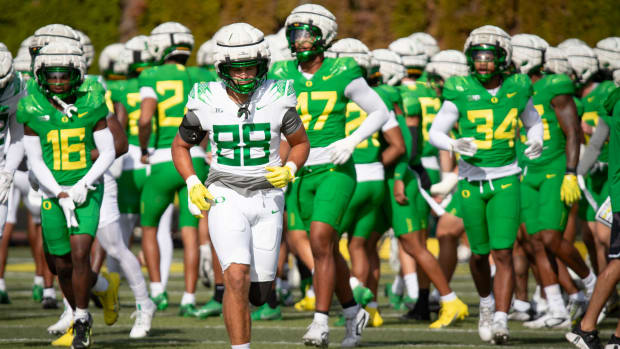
566	112
300	147
147	110
121	114
182	158
396	146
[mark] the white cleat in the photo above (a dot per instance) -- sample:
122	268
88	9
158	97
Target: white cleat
550	320
485	322
61	326
519	316
354	328
317	335
500	332
576	309
144	317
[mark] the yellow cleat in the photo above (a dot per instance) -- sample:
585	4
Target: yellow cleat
109	298
306	304
450	311
375	318
66	340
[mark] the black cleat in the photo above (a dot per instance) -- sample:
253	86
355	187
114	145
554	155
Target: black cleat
82	332
582	339
418	313
49	303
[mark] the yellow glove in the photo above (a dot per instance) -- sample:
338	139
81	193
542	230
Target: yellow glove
570	192
280	176
197	197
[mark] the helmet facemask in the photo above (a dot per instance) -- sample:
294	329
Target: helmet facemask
486	53
246	85
305	33
52	78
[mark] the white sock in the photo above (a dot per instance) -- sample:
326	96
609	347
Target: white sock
350	312
156	289
101	285
493	270
449	297
310	292
434	294
164	240
521	306
589	282
241	346
188	298
38	280
67	304
488	301
80	314
278	283
49	293
554	298
354	282
398	285
577	296
411	281
500	316
321	318
146	304
2	285
373	305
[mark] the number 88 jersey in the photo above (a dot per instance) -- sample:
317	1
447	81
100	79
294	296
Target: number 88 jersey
243	145
490	120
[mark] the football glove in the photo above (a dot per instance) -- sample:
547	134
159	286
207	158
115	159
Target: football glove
6	178
79	192
448	181
341	150
534	150
280	176
68	208
464	146
198	196
569	192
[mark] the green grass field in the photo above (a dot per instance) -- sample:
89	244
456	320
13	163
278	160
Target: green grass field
23	323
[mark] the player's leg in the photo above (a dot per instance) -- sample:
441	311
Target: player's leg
449	230
5	240
520	304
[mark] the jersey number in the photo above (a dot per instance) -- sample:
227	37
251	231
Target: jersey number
302	105
428	104
69	150
132	100
240	139
505	130
546	135
352	125
166	120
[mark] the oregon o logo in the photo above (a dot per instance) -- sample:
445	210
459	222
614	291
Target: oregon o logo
494	100
65	119
308	83
47	205
219	199
465	193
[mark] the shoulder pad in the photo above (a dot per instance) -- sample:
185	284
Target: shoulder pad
281	69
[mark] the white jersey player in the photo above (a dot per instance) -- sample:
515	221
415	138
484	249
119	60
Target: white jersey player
244	116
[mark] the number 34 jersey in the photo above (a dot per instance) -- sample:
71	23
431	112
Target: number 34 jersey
244	145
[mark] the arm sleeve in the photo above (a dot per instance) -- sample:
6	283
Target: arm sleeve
589	157
359	92
105	145
391	122
190	129
443	123
291	122
147	92
15	152
32	144
532	122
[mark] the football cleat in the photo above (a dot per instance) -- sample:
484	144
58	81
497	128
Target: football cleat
211	308
582	339
265	312
144	318
485	323
375	317
317	335
64	322
354	328
161	300
450	311
109	298
500	332
82	331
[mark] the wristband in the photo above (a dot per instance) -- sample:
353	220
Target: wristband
571	170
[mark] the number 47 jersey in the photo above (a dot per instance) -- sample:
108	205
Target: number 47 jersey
245	143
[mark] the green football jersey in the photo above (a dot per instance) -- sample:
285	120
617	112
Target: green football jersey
321	101
66	142
200	74
369	150
129	97
171	83
554	140
490	120
113	88
421	100
392	93
592	110
612	107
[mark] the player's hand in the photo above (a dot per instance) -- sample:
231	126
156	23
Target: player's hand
341	150
399	192
449	180
464	146
79	192
6	178
569	192
280	176
144	159
198	196
68	208
534	150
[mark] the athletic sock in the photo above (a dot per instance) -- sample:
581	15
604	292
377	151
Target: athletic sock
411	281
373	305
577	296
554	298
188	298
500	316
2	285
49	293
449	297
67	304
354	282
589	282
157	288
101	285
80	314
38	280
241	346
521	306
350	310
219	293
488	301
398	285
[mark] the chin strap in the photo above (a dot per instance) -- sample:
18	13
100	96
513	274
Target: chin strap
244	110
67	109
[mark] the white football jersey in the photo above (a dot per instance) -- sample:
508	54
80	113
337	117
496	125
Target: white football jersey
9	98
243	145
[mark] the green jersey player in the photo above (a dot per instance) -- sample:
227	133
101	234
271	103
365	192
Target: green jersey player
486	105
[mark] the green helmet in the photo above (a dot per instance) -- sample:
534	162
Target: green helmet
313	22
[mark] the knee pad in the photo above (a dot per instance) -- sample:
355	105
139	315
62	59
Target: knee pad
259	291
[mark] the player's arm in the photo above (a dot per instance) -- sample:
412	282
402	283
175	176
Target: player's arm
449	176
534	130
593	149
394	138
118	134
32	146
105	143
148	105
292	128
16	151
440	129
121	114
566	112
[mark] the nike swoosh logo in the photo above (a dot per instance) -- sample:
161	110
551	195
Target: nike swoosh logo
504	186
510	95
274	212
259	108
549	176
327	77
82	114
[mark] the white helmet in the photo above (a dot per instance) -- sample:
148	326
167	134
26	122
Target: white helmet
278	46
528	52
6	69
87	48
571	42
136	55
353	48
26	42
170	39
22	62
205	53
448	63
109	64
412	53
583	61
556	61
63	55
428	42
241	44
311	17
53	33
608	54
490	35
3	47
617	77
390	66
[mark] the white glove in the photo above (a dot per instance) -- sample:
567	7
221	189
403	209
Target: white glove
341	150
6	178
449	180
464	146
534	150
79	192
68	208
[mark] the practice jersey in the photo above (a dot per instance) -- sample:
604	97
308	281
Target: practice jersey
113	88
9	98
490	120
612	107
66	141
554	140
202	74
592	107
419	99
170	85
128	94
244	146
321	101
